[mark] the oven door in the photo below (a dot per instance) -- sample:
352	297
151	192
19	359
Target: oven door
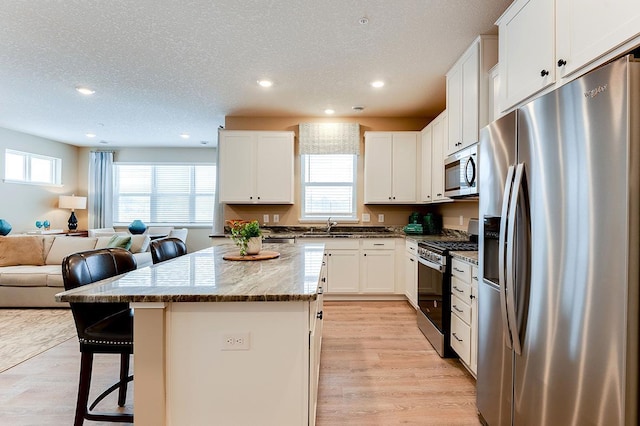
430	291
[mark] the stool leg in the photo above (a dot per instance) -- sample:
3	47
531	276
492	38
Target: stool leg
124	374
86	365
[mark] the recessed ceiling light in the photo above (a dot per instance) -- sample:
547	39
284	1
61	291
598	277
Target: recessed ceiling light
90	135
329	111
85	90
377	84
364	20
357	108
265	83
104	142
204	142
185	135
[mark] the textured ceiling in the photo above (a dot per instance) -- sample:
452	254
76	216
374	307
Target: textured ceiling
161	68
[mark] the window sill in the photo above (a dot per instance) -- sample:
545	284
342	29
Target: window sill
324	220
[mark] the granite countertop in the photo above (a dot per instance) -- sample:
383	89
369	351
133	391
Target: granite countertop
204	276
467	256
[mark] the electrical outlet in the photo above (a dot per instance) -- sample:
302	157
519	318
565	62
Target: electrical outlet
381	218
461	220
276	218
265	218
366	217
236	341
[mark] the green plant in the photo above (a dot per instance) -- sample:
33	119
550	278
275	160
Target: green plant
242	231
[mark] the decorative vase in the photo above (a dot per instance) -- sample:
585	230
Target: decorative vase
5	227
254	245
137	227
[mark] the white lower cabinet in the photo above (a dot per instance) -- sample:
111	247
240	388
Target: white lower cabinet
411	272
365	266
315	346
464	312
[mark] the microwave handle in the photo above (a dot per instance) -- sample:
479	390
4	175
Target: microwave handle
472	164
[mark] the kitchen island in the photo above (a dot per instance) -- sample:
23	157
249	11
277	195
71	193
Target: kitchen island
223	342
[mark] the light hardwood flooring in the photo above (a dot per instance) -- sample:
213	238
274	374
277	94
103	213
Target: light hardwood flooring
376	369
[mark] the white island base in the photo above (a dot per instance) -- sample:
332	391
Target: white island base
184	374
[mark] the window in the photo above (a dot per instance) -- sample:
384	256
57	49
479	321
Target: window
328	186
32	168
164	193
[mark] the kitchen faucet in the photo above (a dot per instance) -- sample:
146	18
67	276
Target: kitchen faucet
330	224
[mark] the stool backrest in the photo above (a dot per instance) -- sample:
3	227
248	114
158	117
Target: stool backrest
82	268
167	248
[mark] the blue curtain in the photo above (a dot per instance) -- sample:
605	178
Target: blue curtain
101	189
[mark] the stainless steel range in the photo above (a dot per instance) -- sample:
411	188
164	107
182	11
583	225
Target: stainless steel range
434	291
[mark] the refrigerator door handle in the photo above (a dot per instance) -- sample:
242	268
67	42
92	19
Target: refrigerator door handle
511	224
506	196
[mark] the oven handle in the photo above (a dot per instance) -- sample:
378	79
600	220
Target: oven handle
432	265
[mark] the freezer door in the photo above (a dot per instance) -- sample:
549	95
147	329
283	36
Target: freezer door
495	361
497	158
572	319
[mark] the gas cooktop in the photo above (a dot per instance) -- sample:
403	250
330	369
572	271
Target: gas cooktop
450	245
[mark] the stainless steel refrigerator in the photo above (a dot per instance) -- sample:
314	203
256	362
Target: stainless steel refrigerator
559	255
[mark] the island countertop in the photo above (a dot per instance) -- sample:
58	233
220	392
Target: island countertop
204	276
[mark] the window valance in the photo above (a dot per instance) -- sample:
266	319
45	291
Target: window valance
329	138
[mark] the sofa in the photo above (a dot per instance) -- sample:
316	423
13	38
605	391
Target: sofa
31	266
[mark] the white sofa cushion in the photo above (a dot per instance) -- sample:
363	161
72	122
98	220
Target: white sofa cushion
64	246
139	243
31	276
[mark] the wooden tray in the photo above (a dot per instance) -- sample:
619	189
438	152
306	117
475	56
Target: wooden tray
263	255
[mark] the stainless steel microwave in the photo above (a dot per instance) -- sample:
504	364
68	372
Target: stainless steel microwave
461	173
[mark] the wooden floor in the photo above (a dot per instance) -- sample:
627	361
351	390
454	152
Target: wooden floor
376	369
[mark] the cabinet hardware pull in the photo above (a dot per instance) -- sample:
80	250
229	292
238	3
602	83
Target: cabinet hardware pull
475	278
472	297
324	279
412	260
251	198
458	270
456	308
458	339
439	195
378	244
561	63
544	73
458	290
319	315
258	198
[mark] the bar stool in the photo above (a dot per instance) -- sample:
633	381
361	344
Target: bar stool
103	328
167	248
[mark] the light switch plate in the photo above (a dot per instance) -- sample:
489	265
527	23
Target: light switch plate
381	218
276	218
366	217
265	218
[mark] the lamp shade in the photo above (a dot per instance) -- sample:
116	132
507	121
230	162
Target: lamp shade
72	202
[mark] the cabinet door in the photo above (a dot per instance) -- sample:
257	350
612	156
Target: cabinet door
411	279
470	97
274	168
378	167
404	165
379	271
426	168
461	338
437	159
237	167
526	50
587	29
474	320
454	110
343	271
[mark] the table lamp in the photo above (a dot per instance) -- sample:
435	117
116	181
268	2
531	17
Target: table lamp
72	202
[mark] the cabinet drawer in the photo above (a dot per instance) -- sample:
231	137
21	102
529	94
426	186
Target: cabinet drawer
339	243
373	244
461	270
411	246
460	289
460	308
461	338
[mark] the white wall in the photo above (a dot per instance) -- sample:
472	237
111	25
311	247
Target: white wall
23	204
198	237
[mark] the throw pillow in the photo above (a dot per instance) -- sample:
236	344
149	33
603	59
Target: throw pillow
139	243
120	241
21	250
64	246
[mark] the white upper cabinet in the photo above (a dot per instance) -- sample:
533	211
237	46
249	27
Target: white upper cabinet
434	141
390	167
587	29
545	42
526	50
468	93
256	167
